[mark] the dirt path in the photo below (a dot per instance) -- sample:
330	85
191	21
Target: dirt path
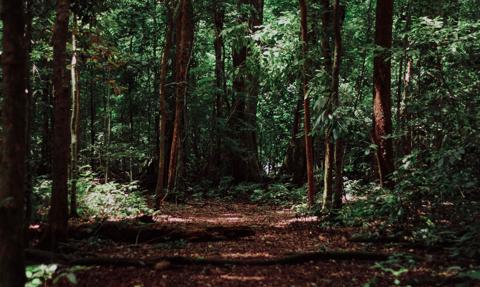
278	232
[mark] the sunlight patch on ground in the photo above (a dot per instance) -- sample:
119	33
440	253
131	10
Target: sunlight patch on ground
302	219
247	255
242	278
222	218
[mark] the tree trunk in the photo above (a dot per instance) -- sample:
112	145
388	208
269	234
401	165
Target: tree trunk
382	98
295	163
306	104
13	145
58	215
338	12
220	85
244	163
328	140
30	116
74	122
161	176
108	131
184	37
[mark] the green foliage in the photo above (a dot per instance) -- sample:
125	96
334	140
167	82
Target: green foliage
38	274
97	199
371	203
112	200
279	194
396	266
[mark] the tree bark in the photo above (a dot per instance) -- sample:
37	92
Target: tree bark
13	145
162	161
242	121
382	130
328	141
74	122
306	104
221	88
30	116
58	215
338	12
184	36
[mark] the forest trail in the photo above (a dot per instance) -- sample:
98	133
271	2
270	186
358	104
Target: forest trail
278	232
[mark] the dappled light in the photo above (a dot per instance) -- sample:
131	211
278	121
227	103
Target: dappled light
250	143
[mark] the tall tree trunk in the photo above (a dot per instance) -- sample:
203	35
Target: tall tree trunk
328	141
220	85
162	158
242	121
58	215
30	116
13	145
74	121
382	98
108	131
306	104
184	37
338	12
93	111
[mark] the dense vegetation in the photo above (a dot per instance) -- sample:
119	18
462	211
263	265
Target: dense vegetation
365	114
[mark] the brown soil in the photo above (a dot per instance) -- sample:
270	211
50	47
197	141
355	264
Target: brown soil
279	232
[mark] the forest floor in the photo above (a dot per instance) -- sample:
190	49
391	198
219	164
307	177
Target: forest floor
278	232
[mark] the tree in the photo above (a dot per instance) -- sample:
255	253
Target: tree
382	113
242	122
184	46
306	103
13	145
338	12
74	121
58	215
162	158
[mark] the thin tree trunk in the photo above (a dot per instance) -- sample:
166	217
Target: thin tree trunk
337	61
108	131
306	105
30	116
382	98
58	216
74	122
162	161
220	93
13	145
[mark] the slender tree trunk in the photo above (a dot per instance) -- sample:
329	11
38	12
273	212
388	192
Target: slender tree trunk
93	111
13	145
162	158
306	105
328	141
220	93
382	98
338	12
108	132
30	116
58	216
74	122
185	30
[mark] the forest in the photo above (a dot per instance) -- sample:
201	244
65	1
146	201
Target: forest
240	143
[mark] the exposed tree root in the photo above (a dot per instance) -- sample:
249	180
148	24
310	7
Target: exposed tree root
48	257
130	233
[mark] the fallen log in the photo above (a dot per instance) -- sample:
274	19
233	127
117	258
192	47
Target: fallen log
152	233
186	261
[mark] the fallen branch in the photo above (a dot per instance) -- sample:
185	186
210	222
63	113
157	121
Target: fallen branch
185	261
